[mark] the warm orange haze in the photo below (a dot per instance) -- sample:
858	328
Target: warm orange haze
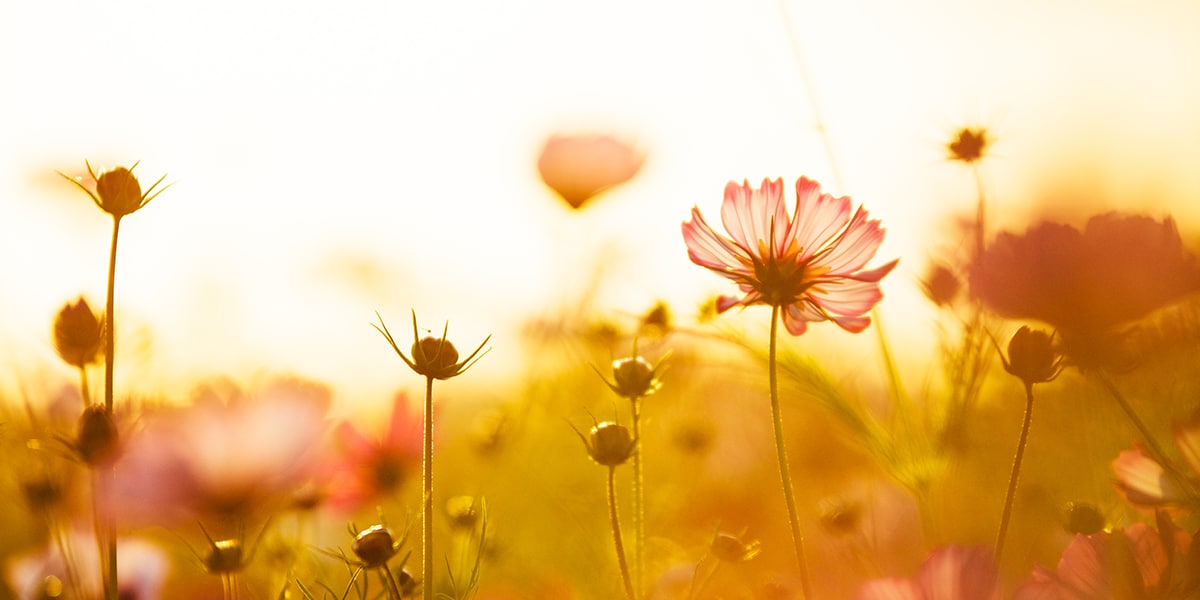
631	300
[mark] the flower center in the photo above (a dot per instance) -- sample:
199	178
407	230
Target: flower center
781	282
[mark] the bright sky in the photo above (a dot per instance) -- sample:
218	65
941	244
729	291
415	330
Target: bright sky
333	159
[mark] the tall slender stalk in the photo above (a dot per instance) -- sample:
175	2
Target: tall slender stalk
639	515
1016	472
615	520
109	526
427	494
781	452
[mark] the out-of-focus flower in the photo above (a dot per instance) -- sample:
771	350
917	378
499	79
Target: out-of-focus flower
1148	484
949	572
435	358
98	443
1031	356
941	285
366	470
222	459
141	570
462	512
1086	284
969	144
730	548
78	334
117	191
375	546
1137	562
1083	517
579	167
634	376
807	263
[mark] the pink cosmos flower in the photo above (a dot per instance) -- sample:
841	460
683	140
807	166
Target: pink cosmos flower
951	572
226	457
1137	562
1147	484
809	263
141	570
367	469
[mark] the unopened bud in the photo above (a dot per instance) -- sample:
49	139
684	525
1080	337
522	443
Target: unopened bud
374	546
969	144
1084	518
78	334
941	285
634	377
119	191
610	444
730	548
98	442
435	357
1031	356
462	512
224	557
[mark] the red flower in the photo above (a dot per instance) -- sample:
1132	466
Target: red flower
368	469
807	263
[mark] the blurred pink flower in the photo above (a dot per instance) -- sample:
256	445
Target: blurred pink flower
578	167
141	570
1145	482
950	573
1138	562
368	469
1086	283
807	263
222	458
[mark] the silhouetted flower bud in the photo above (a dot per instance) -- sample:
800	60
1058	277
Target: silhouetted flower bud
406	582
224	557
41	492
1084	518
435	357
941	285
610	444
374	546
119	191
969	144
634	377
462	512
78	334
1031	356
98	442
731	548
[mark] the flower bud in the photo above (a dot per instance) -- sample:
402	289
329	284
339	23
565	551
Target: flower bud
78	334
406	582
462	512
969	144
98	442
119	192
374	546
610	444
435	357
840	516
1031	356
1084	518
634	377
941	285
730	548
41	492
224	557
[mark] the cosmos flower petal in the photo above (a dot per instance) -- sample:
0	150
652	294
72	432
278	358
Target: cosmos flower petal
1143	480
846	297
709	249
874	275
857	244
889	589
796	317
753	215
819	217
956	572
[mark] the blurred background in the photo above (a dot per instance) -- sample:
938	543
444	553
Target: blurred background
330	161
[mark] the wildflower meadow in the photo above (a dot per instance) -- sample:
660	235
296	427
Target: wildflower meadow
1027	429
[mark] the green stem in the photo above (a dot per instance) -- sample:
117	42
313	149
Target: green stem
1016	471
639	515
781	451
615	520
427	491
110	568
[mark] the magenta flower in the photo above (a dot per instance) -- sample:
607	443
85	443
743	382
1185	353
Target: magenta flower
950	572
1138	562
808	264
1148	484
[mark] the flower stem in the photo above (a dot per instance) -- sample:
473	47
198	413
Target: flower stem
616	530
427	493
781	451
393	587
639	515
84	393
1016	471
980	211
109	527
1159	455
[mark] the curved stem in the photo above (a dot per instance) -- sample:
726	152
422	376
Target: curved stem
781	451
616	530
110	567
393	587
427	493
1016	471
639	515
